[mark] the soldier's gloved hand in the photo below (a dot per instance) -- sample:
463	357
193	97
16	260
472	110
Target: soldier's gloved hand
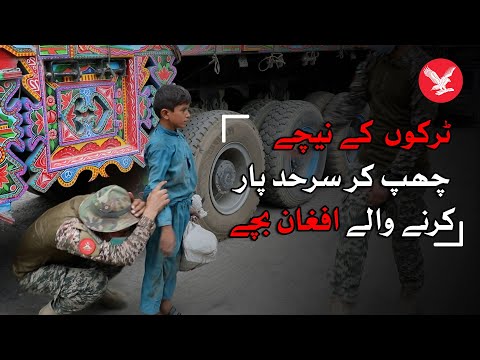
377	195
138	207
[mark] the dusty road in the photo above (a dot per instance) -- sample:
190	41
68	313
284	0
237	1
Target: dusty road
288	274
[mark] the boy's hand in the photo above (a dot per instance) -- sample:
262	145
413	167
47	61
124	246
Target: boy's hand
167	240
194	212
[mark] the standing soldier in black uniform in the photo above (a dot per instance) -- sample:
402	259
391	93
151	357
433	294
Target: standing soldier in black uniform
388	81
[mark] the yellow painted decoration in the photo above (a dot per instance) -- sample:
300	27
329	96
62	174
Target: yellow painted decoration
95	172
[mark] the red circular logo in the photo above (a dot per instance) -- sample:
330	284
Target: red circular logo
87	246
440	80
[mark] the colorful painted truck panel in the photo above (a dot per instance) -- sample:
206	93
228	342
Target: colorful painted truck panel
73	108
65	109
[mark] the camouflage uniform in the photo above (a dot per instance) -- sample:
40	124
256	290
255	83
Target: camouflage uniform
391	88
70	262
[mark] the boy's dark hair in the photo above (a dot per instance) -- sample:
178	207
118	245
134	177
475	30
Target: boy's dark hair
169	96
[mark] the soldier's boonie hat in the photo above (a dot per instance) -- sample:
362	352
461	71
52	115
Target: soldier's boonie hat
108	210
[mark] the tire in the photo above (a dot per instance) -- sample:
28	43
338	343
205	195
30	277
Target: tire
365	114
332	113
220	167
320	99
340	161
195	111
282	121
258	110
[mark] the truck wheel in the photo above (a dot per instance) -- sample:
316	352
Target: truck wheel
258	110
195	111
282	121
332	113
220	167
340	161
320	99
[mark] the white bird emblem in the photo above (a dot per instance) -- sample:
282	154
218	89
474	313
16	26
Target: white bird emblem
440	83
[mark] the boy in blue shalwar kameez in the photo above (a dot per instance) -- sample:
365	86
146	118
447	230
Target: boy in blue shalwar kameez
168	157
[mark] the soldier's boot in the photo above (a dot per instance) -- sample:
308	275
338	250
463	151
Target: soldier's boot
113	299
340	307
47	310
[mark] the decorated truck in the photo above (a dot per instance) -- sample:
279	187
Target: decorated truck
76	117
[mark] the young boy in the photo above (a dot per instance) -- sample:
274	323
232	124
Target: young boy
168	157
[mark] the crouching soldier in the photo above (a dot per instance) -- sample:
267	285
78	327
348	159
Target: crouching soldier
74	249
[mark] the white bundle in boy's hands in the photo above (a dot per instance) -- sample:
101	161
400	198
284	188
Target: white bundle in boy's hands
197	206
199	244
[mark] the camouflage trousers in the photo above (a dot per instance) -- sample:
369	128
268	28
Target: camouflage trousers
72	288
405	209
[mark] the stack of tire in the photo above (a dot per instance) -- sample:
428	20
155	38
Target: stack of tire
277	119
338	161
222	166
